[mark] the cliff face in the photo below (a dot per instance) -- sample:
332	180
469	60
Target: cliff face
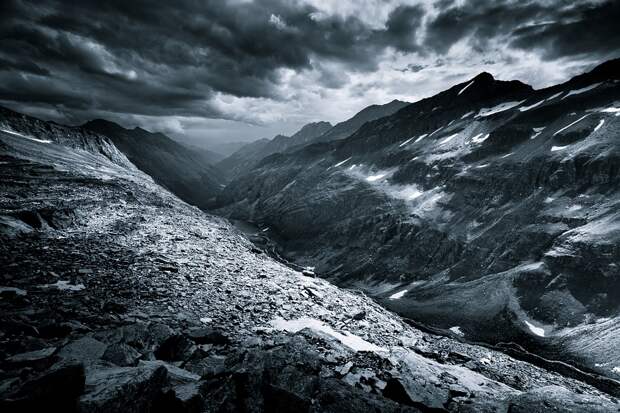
491	207
117	295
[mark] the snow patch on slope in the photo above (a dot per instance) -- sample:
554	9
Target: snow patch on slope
398	295
526	108
350	340
21	135
377	177
457	330
465	88
449	138
540	332
600	124
435	131
502	107
537	131
611	110
342	162
553	96
479	138
582	90
421	137
571	124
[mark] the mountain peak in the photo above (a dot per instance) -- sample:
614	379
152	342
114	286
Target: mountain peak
484	77
484	86
102	123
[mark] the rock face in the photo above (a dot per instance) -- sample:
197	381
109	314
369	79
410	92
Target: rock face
491	209
176	167
102	324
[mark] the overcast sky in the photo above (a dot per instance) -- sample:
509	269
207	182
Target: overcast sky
241	69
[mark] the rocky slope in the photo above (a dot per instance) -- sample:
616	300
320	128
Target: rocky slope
115	295
253	153
490	209
185	171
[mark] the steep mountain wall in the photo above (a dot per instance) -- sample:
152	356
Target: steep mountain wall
490	207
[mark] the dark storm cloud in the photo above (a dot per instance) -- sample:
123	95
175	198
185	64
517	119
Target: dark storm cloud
584	30
175	58
401	27
555	29
171	57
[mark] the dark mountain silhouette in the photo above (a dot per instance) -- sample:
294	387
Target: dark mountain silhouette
185	171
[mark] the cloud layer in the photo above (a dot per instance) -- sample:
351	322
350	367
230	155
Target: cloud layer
187	65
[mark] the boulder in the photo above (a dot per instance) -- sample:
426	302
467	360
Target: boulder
208	335
175	348
123	389
183	398
37	358
56	389
176	375
121	354
86	350
416	394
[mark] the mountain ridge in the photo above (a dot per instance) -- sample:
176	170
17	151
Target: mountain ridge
433	207
177	167
251	154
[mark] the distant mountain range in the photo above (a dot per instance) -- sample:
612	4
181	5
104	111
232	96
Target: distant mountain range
490	210
249	155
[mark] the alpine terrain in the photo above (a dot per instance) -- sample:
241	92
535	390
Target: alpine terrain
490	210
248	156
116	295
310	206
